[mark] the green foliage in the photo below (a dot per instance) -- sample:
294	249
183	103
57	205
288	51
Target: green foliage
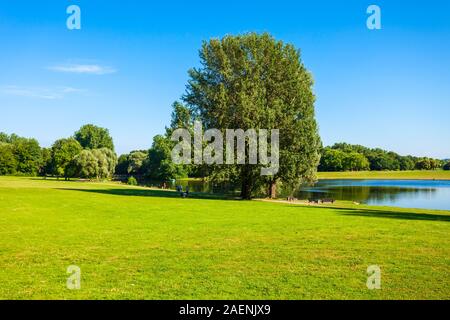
8	163
181	117
86	165
24	156
252	81
4	138
63	152
332	160
338	160
379	160
407	163
132	181
136	161
107	161
97	163
27	153
94	137
428	164
46	167
355	161
447	166
122	164
160	165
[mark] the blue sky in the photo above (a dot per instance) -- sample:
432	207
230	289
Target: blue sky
386	88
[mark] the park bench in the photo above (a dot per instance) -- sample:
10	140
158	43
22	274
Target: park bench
327	200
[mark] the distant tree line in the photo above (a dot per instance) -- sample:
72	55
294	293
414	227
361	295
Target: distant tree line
88	154
348	157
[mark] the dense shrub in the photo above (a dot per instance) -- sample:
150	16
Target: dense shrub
132	181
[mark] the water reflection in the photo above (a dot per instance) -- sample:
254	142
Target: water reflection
401	193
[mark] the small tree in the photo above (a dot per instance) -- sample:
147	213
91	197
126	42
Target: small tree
63	152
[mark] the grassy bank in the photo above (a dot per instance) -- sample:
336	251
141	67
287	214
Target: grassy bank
398	175
136	243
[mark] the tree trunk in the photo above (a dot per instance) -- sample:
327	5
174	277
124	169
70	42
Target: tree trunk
272	192
246	188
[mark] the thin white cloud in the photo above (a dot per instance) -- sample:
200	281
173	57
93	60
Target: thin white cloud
39	92
83	69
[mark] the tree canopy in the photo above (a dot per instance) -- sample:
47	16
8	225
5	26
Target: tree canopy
93	137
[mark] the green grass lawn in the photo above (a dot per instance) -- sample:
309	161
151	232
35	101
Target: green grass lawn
407	175
136	243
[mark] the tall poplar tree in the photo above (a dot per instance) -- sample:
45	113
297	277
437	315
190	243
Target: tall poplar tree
253	81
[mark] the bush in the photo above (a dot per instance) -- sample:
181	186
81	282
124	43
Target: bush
132	181
447	166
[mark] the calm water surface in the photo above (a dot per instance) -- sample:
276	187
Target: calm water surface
433	194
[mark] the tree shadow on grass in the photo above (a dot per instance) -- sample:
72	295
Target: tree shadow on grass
153	193
386	214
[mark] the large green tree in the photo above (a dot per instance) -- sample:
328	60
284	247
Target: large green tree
253	81
94	137
63	152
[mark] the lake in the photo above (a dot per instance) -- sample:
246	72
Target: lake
425	194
